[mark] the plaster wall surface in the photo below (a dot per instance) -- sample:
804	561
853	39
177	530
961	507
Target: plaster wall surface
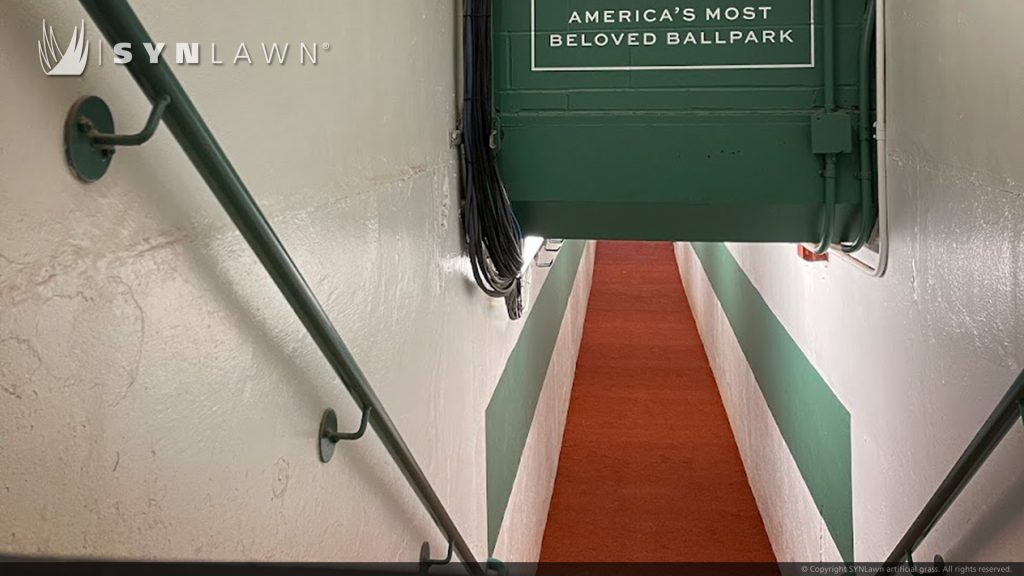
920	357
523	528
158	398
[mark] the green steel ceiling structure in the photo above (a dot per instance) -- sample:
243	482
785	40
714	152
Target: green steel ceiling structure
685	119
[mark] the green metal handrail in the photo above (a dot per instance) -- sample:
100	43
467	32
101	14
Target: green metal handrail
118	23
1009	411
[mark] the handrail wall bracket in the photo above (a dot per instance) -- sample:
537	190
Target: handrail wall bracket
89	138
119	23
329	435
426	561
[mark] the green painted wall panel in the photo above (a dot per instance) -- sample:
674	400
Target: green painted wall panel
510	412
814	423
664	221
718	150
642	152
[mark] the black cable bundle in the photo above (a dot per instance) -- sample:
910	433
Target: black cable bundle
493	237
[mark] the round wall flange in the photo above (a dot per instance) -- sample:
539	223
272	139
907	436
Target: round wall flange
328	426
88	161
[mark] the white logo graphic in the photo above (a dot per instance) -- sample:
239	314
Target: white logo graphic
70	62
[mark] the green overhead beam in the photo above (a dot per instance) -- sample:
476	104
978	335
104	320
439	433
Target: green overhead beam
682	121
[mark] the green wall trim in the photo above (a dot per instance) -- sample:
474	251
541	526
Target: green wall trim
814	423
510	412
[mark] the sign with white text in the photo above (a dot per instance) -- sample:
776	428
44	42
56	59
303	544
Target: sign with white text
596	35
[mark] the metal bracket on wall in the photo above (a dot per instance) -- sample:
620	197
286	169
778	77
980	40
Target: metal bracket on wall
455	136
494	140
553	244
938	565
426	561
89	138
910	563
497	566
329	435
550	247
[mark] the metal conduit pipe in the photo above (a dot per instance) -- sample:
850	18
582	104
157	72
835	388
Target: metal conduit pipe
118	23
830	107
879	267
864	132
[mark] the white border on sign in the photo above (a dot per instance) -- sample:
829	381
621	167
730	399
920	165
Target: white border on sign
534	68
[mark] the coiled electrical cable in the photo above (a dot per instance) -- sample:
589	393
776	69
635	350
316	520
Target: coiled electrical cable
493	237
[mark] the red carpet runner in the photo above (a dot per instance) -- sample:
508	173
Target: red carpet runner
649	470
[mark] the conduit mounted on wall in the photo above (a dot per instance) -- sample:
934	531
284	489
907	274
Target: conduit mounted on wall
700	121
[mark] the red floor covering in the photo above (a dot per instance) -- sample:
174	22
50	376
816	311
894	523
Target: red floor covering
649	470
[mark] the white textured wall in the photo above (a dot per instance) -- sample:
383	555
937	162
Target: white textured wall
158	399
522	530
921	357
796	529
